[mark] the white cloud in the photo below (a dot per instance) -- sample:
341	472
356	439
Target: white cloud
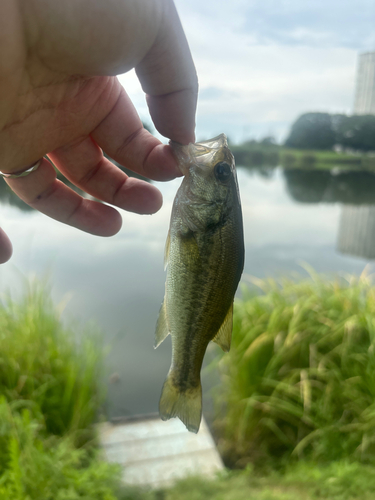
255	81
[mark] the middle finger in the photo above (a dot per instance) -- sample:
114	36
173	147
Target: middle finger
85	166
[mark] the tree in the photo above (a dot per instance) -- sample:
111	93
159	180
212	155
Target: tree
322	131
312	131
357	132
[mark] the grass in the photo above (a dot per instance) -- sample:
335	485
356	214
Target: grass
53	370
299	381
296	395
299	158
256	154
35	465
305	480
50	399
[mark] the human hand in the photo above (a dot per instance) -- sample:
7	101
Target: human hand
58	96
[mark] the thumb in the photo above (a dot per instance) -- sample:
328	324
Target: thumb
168	77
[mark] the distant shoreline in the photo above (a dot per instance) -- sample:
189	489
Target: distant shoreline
256	154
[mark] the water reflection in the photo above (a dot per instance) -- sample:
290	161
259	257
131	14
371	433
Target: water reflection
331	186
303	185
307	186
355	191
356	234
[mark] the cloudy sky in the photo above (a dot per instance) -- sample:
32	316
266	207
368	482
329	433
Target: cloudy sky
261	63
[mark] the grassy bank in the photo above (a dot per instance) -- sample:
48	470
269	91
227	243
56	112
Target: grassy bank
52	370
50	399
299	381
297	158
37	465
295	404
255	154
306	480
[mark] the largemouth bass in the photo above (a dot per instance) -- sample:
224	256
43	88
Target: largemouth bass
204	256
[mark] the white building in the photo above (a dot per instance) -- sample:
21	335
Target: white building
365	90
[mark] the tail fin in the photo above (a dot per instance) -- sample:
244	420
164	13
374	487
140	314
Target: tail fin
187	405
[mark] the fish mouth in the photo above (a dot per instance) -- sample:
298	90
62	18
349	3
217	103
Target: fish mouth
199	153
218	142
181	153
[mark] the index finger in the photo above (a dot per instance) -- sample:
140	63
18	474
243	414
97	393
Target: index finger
168	76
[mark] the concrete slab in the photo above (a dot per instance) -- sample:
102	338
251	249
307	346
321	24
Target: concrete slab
156	453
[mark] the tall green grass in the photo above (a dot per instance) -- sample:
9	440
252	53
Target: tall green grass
301	481
34	466
51	394
52	370
40	359
299	380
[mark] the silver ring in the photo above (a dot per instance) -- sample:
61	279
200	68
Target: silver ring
24	172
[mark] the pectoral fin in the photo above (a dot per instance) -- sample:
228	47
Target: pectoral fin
224	335
162	328
166	250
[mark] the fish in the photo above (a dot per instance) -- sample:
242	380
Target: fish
204	258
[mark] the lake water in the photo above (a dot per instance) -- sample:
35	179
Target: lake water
326	219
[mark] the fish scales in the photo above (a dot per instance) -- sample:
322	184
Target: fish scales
204	257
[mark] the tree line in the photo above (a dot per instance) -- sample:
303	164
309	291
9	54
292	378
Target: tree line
324	131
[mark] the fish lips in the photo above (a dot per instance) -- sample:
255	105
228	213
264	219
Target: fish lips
202	155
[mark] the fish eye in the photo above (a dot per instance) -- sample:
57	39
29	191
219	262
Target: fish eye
222	171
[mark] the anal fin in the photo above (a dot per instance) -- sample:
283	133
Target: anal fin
162	328
224	335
